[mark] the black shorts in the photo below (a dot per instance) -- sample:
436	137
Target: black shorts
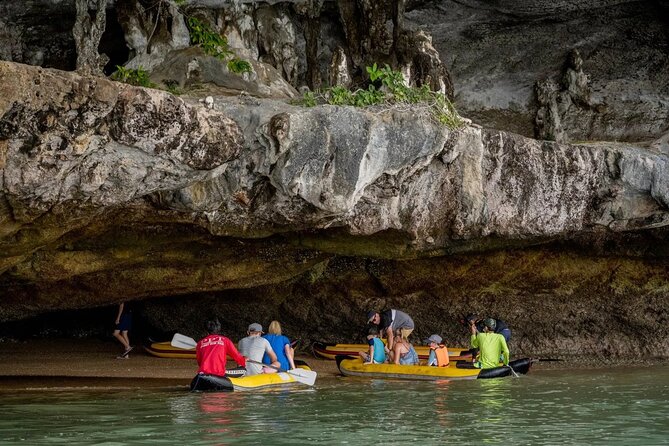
125	323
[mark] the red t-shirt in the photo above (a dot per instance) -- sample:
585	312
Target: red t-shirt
211	354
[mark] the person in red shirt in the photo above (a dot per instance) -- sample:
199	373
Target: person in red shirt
212	351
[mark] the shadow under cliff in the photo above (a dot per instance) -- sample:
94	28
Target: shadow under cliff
559	302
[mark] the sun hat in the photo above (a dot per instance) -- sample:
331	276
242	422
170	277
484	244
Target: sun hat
255	327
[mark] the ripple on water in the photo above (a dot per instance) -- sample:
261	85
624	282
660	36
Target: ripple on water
626	406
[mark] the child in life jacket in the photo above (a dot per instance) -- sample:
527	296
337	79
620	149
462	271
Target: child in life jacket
438	351
377	350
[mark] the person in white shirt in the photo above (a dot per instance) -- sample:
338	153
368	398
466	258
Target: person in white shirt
254	348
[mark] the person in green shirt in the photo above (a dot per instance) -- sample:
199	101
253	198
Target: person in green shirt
491	345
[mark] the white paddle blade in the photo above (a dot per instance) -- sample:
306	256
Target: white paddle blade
303	376
182	341
307	377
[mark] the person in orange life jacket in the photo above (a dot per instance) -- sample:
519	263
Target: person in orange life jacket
211	351
438	351
493	348
377	353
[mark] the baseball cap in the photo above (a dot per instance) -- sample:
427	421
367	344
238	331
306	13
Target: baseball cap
370	315
490	323
434	338
255	327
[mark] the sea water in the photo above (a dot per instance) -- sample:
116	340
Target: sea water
624	406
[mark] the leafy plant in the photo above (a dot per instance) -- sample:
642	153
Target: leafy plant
393	92
239	66
308	99
373	72
211	42
339	96
138	77
214	44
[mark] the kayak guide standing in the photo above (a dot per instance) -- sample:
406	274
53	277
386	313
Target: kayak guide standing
389	321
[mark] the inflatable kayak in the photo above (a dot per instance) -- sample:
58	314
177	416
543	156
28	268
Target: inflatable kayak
354	367
233	382
331	351
167	350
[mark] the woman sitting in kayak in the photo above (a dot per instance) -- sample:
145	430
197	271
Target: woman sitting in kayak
403	352
281	346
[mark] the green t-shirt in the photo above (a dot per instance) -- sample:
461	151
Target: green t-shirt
491	346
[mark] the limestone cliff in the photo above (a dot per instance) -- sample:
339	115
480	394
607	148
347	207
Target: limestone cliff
113	192
222	197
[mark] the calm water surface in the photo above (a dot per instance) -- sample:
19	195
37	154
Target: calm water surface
594	407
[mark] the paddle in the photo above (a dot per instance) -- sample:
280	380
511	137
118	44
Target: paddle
513	372
307	377
182	341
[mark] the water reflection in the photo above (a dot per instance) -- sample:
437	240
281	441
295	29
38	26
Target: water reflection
441	397
217	409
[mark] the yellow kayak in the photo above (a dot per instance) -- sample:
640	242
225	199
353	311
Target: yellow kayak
331	351
165	350
209	383
354	367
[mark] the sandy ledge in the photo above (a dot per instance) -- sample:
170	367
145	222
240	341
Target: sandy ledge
92	363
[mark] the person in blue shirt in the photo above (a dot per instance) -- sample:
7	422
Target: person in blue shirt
281	346
377	349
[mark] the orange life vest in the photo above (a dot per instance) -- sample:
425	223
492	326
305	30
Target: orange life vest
441	353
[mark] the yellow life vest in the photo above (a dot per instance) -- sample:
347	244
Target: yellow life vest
441	353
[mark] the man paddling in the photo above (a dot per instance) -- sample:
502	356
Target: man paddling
211	351
389	321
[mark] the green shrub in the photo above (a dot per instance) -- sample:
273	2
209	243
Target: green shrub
393	92
239	66
308	99
214	44
138	77
211	42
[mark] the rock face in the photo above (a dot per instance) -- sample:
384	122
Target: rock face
497	53
507	62
311	215
231	201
